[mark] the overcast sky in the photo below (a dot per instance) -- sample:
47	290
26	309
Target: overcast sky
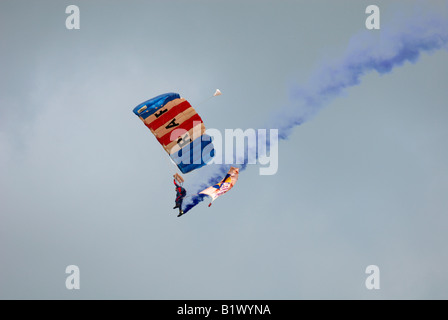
83	182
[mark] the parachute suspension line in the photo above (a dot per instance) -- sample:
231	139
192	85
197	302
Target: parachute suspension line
203	101
217	93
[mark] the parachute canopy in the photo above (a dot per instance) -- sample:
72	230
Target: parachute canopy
179	129
217	93
223	186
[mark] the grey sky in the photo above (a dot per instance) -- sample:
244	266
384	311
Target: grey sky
83	181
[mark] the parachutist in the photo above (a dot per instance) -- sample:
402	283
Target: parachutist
180	195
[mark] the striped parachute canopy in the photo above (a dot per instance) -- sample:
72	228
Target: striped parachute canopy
179	129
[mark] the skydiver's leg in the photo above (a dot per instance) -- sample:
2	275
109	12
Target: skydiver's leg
178	203
181	212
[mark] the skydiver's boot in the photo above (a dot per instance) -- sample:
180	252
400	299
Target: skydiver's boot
180	213
176	206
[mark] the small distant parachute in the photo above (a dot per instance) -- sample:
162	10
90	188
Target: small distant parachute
217	93
179	129
223	186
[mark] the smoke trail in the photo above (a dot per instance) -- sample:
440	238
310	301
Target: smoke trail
365	53
215	174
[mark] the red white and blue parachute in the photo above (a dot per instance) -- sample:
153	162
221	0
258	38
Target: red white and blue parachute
179	129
